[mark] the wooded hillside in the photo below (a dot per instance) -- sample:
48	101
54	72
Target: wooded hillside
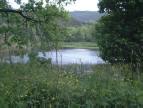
86	16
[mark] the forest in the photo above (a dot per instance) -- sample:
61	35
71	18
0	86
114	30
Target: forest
53	58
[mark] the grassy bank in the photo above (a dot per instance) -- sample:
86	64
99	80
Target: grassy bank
35	85
80	45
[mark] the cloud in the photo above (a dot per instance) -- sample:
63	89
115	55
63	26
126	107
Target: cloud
83	5
79	5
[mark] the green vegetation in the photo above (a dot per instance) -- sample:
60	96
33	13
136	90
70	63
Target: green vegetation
82	33
31	24
120	33
80	45
41	84
47	86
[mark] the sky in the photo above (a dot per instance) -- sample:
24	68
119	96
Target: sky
83	5
79	5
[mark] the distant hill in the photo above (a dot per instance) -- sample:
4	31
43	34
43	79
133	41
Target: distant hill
75	22
86	16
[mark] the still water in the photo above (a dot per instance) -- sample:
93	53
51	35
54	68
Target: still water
67	56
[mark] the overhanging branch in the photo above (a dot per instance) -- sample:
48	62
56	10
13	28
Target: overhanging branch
18	12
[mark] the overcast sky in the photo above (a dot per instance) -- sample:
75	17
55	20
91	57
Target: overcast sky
82	5
79	5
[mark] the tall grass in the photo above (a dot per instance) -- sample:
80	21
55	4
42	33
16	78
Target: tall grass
80	45
33	85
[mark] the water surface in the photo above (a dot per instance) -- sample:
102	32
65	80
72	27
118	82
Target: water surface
76	56
66	56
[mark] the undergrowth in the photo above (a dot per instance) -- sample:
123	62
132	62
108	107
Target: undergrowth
33	85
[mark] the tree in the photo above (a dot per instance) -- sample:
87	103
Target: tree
120	32
33	23
79	34
28	11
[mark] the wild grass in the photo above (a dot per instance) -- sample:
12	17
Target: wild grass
80	45
33	85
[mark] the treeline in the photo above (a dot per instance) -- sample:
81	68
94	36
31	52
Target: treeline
83	33
86	16
78	30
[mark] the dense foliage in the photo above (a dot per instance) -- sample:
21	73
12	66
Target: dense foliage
80	34
40	84
120	32
44	86
33	24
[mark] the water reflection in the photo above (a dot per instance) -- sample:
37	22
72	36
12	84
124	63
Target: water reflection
66	56
70	56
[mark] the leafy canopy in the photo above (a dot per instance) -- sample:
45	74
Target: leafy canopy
34	23
120	32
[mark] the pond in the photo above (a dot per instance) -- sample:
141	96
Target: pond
67	56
